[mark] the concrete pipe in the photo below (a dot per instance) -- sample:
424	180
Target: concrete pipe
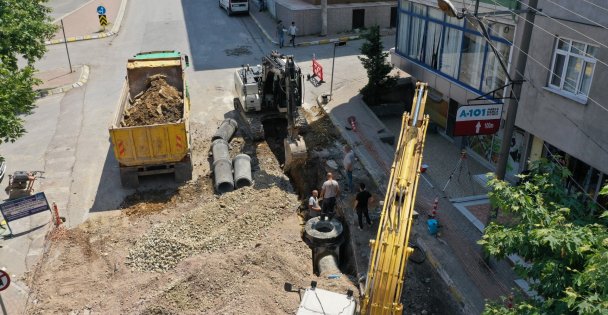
226	129
222	172
324	237
242	170
220	150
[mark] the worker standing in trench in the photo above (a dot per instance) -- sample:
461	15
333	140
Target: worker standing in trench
329	192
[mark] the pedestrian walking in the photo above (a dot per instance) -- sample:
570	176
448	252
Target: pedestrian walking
348	162
362	200
281	33
313	205
292	32
329	192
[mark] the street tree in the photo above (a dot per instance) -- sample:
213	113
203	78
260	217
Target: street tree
376	65
24	26
562	236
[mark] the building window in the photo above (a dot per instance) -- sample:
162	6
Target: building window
473	53
453	47
416	39
572	68
495	77
452	43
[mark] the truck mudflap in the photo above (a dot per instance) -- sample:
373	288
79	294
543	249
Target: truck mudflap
182	171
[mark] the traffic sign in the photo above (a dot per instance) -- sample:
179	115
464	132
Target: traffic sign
478	120
5	280
103	20
101	10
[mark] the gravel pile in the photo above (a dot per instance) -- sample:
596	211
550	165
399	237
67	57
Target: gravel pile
231	220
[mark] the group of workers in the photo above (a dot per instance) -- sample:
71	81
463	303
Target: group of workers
330	191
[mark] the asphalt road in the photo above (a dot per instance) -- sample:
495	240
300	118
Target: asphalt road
67	135
63	7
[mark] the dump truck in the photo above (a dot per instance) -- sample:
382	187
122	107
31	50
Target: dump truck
150	131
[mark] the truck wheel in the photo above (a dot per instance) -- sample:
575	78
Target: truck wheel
129	177
183	171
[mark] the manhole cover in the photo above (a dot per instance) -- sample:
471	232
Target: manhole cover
238	51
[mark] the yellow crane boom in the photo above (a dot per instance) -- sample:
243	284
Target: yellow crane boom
390	251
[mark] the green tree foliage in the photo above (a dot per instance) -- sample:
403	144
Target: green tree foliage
24	26
376	65
563	237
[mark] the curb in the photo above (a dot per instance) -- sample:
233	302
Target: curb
513	260
315	42
113	31
454	292
84	77
377	178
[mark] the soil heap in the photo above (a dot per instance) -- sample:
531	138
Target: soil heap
160	103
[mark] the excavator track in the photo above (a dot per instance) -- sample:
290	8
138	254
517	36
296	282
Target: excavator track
252	121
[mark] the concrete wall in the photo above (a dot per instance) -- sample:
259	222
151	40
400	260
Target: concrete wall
578	129
339	17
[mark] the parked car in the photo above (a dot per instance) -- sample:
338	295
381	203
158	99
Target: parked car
235	6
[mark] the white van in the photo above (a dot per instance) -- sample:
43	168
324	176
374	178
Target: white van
235	6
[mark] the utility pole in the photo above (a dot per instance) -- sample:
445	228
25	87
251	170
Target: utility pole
525	33
323	17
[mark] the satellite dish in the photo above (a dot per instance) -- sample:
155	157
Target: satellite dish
447	7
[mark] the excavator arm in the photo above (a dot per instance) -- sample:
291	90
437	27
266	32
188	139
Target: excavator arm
390	251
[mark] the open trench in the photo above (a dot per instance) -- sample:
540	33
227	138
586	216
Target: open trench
304	179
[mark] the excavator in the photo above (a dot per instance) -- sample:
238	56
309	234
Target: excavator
273	90
389	250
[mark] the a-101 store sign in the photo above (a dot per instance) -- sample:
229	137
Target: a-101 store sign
475	120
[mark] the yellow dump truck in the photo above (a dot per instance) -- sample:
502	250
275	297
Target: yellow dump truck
151	142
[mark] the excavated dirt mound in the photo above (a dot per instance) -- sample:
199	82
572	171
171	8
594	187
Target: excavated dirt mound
196	253
160	103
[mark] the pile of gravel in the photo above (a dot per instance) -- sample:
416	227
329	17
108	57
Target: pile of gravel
232	220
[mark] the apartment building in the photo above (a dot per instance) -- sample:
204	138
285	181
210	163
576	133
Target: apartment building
562	110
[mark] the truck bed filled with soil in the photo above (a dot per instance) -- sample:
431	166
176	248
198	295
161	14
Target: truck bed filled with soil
160	103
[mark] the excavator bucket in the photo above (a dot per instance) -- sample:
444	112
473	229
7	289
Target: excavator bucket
295	152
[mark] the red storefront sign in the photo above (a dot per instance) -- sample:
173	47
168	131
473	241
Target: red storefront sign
317	69
478	120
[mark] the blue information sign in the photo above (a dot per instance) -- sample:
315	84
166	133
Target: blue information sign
20	208
101	10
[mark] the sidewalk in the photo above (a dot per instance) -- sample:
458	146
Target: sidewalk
61	80
267	25
454	254
20	252
83	23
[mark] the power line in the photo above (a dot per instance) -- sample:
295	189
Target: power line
596	5
550	71
552	34
582	16
562	24
565	116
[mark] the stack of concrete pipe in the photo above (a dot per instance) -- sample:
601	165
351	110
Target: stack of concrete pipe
227	173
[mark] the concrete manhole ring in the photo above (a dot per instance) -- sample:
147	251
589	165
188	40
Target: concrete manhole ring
323	230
